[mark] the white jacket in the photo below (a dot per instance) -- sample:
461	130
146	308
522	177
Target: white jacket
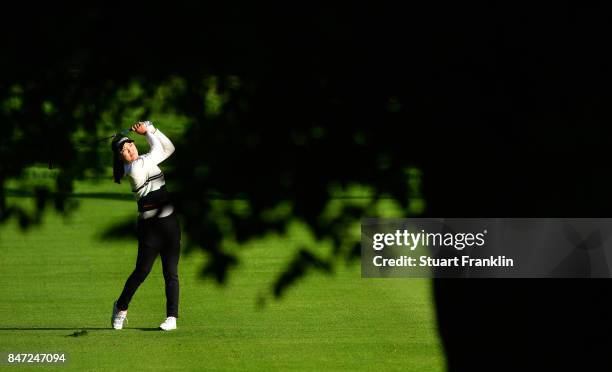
144	174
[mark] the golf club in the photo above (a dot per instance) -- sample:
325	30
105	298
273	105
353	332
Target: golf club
123	132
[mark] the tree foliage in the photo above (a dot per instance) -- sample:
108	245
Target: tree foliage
501	109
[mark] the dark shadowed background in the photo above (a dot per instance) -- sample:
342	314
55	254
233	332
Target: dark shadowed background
465	111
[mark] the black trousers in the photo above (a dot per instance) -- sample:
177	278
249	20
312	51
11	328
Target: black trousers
156	236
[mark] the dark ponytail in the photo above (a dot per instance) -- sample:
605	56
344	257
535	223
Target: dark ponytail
118	170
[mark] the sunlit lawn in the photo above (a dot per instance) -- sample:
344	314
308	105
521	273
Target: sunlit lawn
61	278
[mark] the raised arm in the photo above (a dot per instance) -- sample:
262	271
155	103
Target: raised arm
160	146
167	146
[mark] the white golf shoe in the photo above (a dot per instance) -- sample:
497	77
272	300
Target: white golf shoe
118	317
169	324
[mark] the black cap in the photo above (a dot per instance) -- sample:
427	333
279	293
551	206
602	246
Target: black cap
118	142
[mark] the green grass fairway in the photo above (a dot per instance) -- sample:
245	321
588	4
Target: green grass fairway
61	278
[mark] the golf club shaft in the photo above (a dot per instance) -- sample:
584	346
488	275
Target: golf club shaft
125	131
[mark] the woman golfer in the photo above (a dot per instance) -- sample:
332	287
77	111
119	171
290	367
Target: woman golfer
158	228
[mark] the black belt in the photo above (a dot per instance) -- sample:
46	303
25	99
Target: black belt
154	200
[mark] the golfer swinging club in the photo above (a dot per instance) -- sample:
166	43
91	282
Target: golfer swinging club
158	228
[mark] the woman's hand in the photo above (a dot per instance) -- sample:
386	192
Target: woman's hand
140	128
